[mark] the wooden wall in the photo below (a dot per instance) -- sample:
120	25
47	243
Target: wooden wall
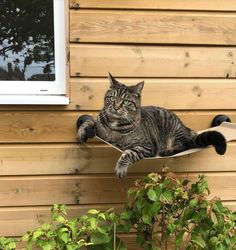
183	49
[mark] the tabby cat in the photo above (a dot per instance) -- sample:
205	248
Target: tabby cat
142	132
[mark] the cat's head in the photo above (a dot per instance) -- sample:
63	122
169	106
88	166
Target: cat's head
122	101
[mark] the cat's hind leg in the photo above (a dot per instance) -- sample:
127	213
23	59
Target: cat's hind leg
175	149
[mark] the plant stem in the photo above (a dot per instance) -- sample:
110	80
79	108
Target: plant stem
114	246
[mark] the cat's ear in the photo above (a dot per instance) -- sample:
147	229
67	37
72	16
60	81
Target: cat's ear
112	80
138	87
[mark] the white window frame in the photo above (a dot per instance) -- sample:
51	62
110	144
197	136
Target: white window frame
44	92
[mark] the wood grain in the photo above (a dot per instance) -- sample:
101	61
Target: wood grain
18	220
40	161
166	27
60	126
94	158
175	94
91	189
220	5
152	61
195	94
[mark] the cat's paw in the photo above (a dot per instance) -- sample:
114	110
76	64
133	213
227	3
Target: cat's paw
82	135
121	171
86	130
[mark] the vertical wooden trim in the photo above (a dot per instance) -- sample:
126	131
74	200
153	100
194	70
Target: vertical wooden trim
67	24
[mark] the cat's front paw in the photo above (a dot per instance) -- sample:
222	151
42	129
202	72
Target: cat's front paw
86	130
121	171
82	135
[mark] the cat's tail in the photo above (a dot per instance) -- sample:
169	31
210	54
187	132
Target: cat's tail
214	138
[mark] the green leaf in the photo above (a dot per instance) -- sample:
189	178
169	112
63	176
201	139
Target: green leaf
140	203
125	215
166	197
165	183
154	208
198	240
29	244
214	218
11	245
99	238
60	219
152	195
93	211
93	223
130	192
146	219
37	234
213	242
193	203
158	190
72	224
47	246
65	237
46	227
188	213
102	215
25	237
171	227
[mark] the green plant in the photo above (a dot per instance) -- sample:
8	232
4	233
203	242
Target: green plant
99	228
7	243
92	231
161	206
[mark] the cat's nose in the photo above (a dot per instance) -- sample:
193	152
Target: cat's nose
117	105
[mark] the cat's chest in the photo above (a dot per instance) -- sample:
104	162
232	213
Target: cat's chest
118	139
111	136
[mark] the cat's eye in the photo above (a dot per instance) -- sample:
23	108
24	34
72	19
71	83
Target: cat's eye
110	99
126	102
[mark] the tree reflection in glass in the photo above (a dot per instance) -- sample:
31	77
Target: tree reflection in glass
27	40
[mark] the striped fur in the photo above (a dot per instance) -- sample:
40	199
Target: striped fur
142	132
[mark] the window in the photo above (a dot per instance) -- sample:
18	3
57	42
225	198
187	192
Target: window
33	52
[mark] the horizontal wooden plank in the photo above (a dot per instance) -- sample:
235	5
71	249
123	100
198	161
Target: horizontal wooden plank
38	126
18	220
152	61
96	189
221	5
193	94
55	159
175	94
51	126
152	27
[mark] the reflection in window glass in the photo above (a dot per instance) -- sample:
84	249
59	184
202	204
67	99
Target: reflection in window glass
27	40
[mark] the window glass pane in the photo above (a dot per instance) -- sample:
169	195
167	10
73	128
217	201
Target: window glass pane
27	50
